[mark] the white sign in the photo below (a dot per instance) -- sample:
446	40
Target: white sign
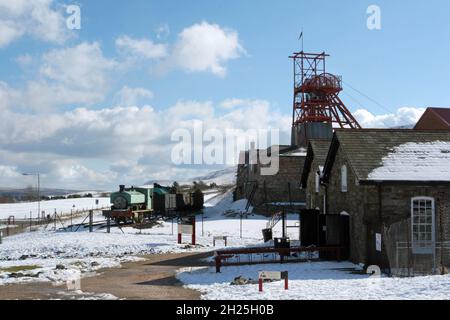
378	242
272	275
185	229
74	284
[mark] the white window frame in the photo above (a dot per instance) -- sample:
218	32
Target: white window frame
317	182
344	179
423	246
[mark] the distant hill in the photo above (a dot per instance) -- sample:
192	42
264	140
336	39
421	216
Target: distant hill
408	126
161	182
20	193
221	177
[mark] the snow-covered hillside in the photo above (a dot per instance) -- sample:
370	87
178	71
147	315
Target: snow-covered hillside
23	210
221	178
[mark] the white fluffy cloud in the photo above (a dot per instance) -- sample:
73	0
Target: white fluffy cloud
132	144
141	48
206	47
9	172
85	148
132	96
38	18
7	96
82	66
79	75
8	33
406	116
202	47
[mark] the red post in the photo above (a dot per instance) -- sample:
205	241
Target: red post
179	238
260	285
218	264
286	283
193	231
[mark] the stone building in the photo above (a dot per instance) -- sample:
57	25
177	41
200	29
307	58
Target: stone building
312	173
269	193
395	187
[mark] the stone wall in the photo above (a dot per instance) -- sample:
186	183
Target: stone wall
272	188
362	203
353	202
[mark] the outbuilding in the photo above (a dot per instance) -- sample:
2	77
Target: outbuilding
395	187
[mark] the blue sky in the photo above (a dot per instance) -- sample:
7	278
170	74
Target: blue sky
50	75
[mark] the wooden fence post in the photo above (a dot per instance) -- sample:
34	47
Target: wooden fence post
91	220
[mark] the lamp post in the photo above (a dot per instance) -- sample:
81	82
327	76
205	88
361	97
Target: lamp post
38	188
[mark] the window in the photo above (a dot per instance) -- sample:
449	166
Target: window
344	187
317	181
423	225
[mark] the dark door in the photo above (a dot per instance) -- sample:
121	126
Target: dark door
345	236
337	235
309	228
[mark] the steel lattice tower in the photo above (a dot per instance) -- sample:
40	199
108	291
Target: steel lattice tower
316	96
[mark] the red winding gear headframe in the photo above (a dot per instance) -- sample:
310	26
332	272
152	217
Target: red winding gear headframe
316	93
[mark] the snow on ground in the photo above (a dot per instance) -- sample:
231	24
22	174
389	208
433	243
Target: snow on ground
22	210
81	295
313	281
416	161
61	254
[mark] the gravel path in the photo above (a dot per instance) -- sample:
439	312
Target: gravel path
152	279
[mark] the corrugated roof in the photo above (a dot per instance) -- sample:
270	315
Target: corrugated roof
366	149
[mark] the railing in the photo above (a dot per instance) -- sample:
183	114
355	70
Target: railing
12	225
406	251
225	255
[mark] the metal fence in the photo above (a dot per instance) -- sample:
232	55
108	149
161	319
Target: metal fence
408	257
409	262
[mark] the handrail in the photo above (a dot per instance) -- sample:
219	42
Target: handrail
220	255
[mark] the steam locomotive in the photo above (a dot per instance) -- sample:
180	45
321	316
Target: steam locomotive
139	203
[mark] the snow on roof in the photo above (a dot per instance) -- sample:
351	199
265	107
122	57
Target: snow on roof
300	152
429	161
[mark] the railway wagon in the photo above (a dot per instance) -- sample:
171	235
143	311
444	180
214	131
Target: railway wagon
139	203
190	200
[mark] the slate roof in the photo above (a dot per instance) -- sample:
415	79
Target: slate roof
368	150
317	150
